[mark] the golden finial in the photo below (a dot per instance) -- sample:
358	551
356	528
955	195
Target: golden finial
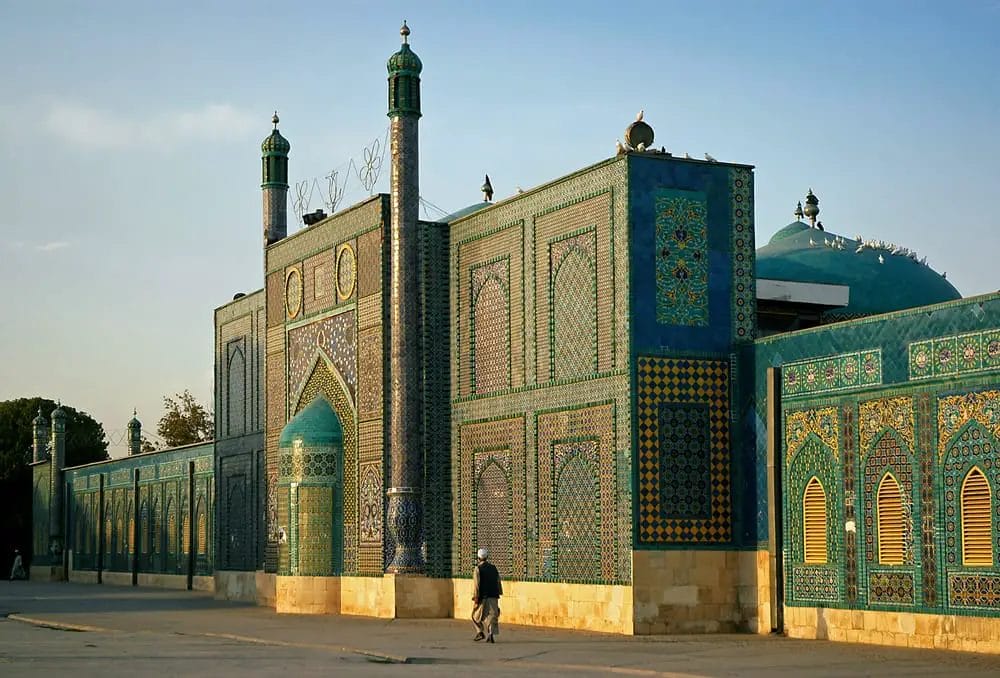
274	119
405	32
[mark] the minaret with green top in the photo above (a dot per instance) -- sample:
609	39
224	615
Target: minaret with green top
58	461
274	158
134	435
40	440
405	511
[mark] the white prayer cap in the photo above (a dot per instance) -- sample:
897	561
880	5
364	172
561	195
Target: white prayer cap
483	554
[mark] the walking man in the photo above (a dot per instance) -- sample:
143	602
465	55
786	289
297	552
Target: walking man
17	571
486	592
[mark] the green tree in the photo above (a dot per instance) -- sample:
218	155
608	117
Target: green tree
85	443
185	421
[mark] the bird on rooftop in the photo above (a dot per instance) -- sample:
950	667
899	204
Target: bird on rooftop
687	156
881	259
811	242
619	149
638	116
710	158
641	147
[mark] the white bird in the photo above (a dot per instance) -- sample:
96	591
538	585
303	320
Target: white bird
710	158
858	238
858	251
924	261
619	149
638	116
826	241
811	242
641	147
520	190
880	259
687	156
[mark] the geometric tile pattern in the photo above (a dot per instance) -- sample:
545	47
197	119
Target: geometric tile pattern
489	338
815	583
563	435
928	511
959	354
973	444
860	369
501	440
887	455
335	337
681	257
572	297
492	513
744	302
682	381
895	588
577	556
685	460
848	419
974	590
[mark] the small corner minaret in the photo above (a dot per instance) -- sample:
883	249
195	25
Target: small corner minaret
405	510
58	459
134	435
40	441
274	184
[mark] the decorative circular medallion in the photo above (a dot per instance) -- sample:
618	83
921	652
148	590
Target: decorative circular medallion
347	272
293	292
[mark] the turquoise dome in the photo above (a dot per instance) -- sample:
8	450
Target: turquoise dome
897	283
405	61
317	425
275	143
464	212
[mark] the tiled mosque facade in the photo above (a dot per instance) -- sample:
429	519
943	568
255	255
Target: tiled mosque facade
588	400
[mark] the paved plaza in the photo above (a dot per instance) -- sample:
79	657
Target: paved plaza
104	630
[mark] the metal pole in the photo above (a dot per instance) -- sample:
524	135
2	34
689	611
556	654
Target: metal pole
134	537
101	546
191	527
774	503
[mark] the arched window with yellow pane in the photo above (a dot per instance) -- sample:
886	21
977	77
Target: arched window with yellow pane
977	524
891	526
814	522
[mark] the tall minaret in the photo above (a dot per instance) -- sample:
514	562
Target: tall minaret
405	514
58	461
40	442
134	435
274	158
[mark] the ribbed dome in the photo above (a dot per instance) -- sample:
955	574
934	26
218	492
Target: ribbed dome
316	425
465	211
405	61
897	283
275	143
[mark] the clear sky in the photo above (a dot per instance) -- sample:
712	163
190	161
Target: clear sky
130	143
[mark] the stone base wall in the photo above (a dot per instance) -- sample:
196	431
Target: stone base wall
388	597
754	592
266	588
83	576
901	629
692	591
46	573
239	586
117	578
590	607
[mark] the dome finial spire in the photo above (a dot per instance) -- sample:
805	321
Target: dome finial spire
812	207
798	211
487	189
275	120
405	32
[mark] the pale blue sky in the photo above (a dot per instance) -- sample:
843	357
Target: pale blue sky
131	131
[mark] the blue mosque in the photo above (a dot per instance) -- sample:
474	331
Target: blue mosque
654	425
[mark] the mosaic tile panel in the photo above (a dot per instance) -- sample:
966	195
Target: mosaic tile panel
959	354
744	286
577	553
928	509
324	380
685	460
895	588
968	432
687	381
560	435
812	456
370	376
877	416
579	234
980	591
370	246
888	456
480	257
801	424
315	531
489	337
347	272
477	438
492	514
572	298
371	498
815	583
334	339
681	257
849	429
860	369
